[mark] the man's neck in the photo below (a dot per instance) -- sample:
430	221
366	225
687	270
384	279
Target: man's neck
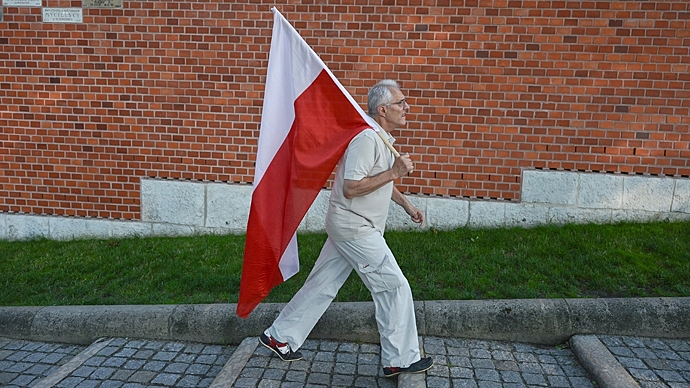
381	123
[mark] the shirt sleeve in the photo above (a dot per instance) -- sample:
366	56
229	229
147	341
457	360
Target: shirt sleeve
360	157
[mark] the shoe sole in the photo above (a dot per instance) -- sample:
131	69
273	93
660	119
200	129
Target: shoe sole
277	352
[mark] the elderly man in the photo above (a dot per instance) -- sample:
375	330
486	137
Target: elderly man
355	223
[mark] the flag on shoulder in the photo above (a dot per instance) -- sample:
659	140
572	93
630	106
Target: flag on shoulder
307	122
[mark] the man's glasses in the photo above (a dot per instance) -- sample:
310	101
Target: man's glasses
400	103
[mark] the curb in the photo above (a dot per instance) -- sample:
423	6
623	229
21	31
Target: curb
538	321
233	368
600	363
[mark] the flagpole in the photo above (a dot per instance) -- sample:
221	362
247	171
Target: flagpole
387	143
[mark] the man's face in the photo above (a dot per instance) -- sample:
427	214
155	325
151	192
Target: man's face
394	113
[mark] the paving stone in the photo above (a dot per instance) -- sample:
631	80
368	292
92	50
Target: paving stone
102	373
534	379
166	379
155	366
111	384
483	364
69	382
436	382
126	352
23	380
298	376
464	383
580	381
322	367
487	375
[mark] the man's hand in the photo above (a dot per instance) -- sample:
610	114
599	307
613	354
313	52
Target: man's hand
364	186
417	216
402	165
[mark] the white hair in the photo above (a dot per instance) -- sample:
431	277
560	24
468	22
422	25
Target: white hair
380	94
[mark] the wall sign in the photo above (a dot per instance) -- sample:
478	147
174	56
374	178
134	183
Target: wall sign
101	3
22	3
62	15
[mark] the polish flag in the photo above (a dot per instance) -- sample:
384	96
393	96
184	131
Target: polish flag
307	123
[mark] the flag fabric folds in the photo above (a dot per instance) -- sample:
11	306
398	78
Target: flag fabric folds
307	122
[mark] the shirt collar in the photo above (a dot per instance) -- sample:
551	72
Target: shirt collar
390	138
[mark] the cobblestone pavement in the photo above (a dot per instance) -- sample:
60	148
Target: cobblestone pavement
324	364
118	363
24	363
652	362
132	363
472	363
457	363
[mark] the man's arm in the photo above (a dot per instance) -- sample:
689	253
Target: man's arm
416	214
364	186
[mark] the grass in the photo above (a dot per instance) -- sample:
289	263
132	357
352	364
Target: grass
573	261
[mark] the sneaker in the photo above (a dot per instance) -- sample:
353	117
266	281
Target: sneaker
281	349
420	366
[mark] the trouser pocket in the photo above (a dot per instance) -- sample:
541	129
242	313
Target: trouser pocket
382	277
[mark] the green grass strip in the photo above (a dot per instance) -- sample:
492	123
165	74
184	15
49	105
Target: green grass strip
573	261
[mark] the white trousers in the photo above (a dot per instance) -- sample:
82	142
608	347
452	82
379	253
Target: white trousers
375	264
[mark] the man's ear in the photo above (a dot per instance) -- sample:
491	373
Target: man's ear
382	110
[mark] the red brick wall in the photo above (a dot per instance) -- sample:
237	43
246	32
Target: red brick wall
173	89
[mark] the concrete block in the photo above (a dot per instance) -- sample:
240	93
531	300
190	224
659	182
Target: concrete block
600	191
357	320
258	320
447	214
600	363
172	230
3	226
235	365
486	214
575	215
129	229
174	202
315	219
25	227
558	187
216	231
227	206
525	215
675	217
398	219
648	193
15	322
210	323
539	321
70	228
635	215
85	324
642	317
681	196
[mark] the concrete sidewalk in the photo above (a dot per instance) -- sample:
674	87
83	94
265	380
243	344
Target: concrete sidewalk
502	343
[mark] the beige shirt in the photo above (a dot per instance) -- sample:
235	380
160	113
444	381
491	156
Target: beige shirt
351	219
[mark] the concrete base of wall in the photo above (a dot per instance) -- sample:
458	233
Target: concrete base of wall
180	208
